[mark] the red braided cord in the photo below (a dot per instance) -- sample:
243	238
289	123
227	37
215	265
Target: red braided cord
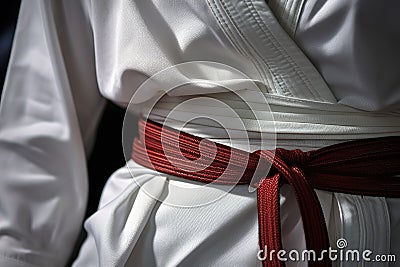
364	167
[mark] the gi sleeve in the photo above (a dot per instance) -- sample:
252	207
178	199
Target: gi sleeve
49	111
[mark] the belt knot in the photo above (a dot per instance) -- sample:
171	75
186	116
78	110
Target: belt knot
283	160
296	157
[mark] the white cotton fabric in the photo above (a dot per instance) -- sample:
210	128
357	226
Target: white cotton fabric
367	32
67	54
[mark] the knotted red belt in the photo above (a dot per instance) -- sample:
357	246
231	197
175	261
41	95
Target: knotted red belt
364	167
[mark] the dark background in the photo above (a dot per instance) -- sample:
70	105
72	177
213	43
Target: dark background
110	128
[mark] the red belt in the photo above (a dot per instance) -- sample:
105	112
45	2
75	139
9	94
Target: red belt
363	167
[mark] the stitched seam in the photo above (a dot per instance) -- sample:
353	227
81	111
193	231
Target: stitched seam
290	60
285	54
298	13
293	17
288	19
279	10
221	20
274	44
275	77
224	23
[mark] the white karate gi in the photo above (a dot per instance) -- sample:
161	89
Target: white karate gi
67	55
